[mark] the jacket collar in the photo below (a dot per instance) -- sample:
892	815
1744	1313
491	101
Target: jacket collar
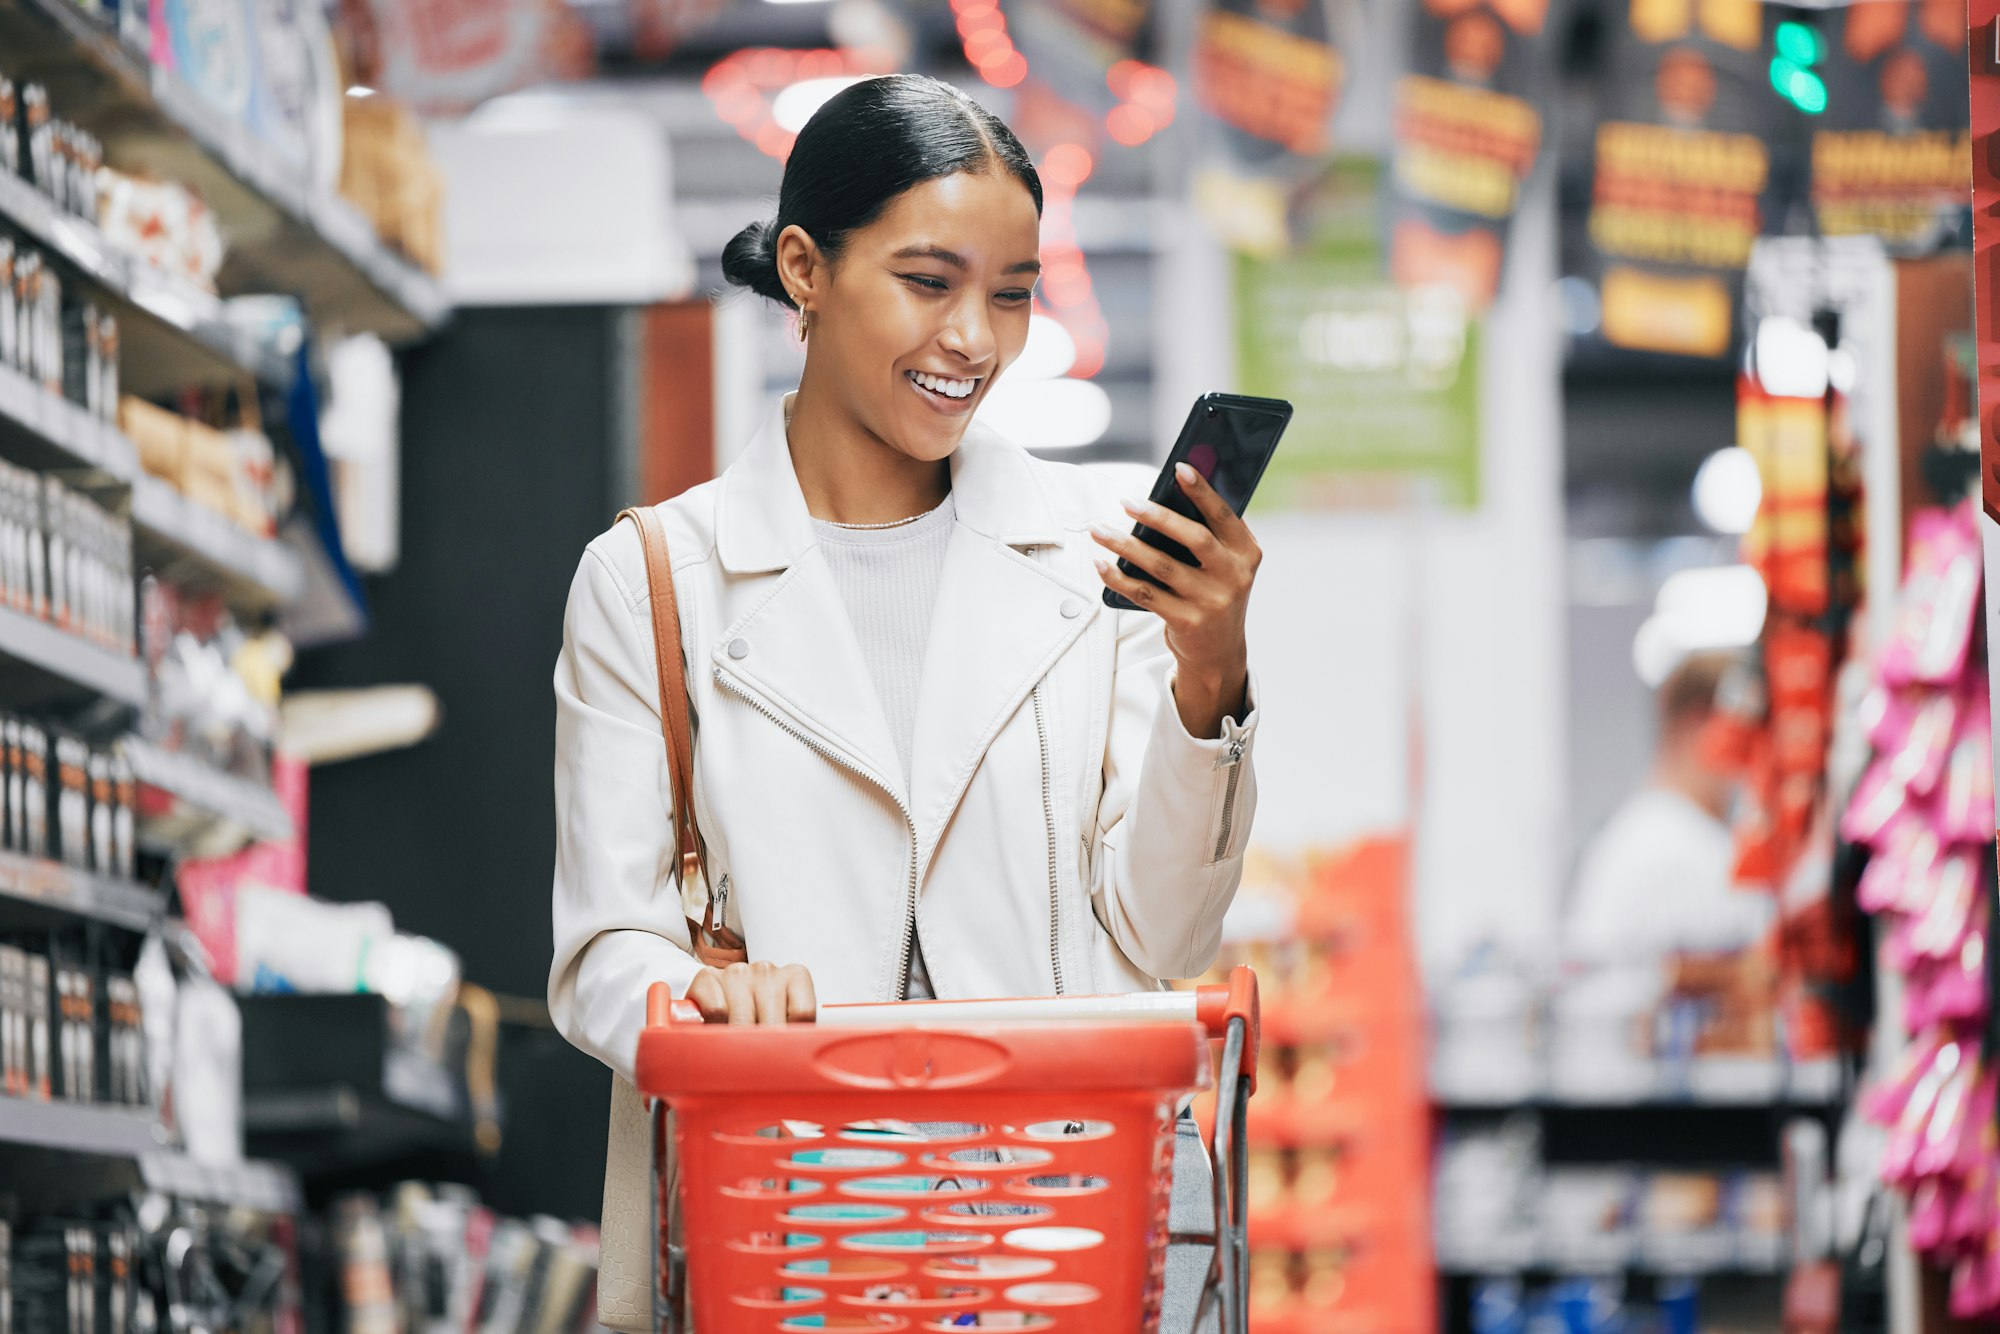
763	524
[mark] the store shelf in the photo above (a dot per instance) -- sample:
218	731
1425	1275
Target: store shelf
184	309
286	234
195	544
46	429
1781	1102
50	885
266	1187
109	1132
40	663
1467	1266
246	805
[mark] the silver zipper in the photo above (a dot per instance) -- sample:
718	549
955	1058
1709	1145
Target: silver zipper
909	821
1231	759
1049	826
722	901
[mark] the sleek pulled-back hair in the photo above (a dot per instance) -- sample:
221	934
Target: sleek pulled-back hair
868	144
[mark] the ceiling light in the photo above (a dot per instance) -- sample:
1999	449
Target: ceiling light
795	104
1792	360
1050	351
1700	611
1727	490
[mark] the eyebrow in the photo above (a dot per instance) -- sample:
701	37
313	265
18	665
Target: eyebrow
956	260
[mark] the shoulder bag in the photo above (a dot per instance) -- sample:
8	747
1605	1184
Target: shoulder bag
625	1297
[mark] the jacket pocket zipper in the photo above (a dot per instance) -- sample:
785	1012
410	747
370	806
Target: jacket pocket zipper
909	821
1049	831
1232	760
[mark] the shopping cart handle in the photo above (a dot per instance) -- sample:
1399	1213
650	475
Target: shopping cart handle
1215	1006
1210	1006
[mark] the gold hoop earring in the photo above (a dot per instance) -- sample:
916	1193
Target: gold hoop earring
805	320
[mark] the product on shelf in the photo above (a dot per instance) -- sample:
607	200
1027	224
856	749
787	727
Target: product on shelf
41	1080
76	1009
32	342
163	224
232	472
1339	1229
1925	809
431	1258
387	172
91	798
90	359
163	1268
215	687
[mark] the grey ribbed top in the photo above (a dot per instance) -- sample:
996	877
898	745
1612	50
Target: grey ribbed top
888	578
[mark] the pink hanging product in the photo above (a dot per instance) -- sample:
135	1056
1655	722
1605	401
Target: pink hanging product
1924	808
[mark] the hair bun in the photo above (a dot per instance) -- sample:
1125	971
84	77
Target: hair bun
751	260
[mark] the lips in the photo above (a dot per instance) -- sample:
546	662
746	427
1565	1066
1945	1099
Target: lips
951	395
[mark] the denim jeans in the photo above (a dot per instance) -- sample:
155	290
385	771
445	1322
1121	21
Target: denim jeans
1192	1210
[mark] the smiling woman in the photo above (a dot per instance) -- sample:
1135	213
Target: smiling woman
907	238
929	760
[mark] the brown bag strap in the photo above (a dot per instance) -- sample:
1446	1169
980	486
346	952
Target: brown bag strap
674	713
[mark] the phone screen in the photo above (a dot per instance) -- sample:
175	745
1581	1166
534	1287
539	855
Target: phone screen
1228	440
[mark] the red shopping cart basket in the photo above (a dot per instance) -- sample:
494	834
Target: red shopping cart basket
941	1165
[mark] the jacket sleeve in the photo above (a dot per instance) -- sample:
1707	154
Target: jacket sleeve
1174	816
617	908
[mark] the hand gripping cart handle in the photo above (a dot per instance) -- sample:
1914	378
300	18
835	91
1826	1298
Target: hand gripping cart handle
941	1165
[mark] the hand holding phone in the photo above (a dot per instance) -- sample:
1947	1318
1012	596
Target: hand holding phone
1227	441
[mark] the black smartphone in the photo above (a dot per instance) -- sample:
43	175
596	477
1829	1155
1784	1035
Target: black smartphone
1227	438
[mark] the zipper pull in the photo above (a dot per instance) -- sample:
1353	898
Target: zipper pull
721	898
1232	752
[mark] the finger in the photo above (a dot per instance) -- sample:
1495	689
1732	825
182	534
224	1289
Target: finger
801	1001
772	1002
1223	521
707	994
1151	559
1151	597
1188	532
738	987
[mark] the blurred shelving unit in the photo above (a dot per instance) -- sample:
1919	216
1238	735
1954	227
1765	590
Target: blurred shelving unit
287	233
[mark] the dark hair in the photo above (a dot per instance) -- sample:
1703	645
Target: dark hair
868	144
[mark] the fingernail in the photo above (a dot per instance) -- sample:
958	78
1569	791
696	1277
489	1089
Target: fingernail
1184	472
1131	506
1100	530
1103	566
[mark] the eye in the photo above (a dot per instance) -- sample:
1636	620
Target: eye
925	282
1015	296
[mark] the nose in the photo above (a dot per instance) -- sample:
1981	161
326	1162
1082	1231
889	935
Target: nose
968	329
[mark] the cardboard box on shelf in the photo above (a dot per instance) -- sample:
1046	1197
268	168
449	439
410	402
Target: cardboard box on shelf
159	435
388	174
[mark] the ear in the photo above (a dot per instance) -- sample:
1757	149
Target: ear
799	266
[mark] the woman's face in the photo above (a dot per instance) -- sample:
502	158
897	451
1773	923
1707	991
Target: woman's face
925	308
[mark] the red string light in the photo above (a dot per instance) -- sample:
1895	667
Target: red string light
982	29
1067	294
1146	95
743	85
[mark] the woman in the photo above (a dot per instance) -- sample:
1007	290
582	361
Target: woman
930	760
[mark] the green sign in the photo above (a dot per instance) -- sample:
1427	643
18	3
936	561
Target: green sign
1384	382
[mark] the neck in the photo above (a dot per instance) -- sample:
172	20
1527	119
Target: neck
847	473
1685	776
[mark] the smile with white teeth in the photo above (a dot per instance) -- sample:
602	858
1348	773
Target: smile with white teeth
938	384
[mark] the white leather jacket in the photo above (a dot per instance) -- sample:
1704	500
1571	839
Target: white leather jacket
1061	832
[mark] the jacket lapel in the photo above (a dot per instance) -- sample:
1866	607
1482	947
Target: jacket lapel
797	653
999	626
1001	620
